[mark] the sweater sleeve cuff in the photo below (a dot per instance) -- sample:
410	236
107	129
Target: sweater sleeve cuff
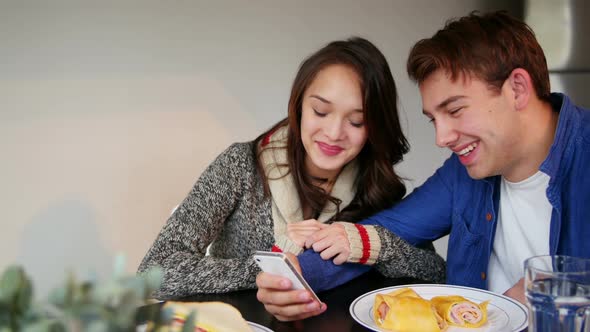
365	243
286	245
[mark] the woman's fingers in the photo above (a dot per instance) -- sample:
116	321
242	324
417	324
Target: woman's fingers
327	238
331	242
282	302
308	223
317	236
305	233
337	251
341	258
299	233
271	281
297	312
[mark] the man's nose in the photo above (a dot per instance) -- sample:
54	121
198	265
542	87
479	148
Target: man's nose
446	134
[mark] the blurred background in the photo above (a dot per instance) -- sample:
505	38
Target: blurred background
110	110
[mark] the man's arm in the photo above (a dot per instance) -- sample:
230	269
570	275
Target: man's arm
421	217
432	206
324	274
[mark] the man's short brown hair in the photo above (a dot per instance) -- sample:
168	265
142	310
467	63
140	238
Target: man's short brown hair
488	46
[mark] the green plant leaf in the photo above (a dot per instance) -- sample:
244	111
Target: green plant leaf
153	279
90	306
47	325
97	326
189	323
70	289
167	315
25	295
11	281
57	296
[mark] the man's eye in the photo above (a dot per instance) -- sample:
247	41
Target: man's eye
456	110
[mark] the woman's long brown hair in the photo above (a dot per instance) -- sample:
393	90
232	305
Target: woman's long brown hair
378	185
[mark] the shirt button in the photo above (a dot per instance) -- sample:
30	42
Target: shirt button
488	216
483	276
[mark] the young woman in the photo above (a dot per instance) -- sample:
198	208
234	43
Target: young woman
332	158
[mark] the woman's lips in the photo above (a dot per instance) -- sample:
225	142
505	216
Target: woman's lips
329	150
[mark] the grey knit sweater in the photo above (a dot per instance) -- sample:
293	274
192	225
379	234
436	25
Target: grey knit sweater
227	209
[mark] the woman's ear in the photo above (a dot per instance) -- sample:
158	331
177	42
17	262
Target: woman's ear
521	86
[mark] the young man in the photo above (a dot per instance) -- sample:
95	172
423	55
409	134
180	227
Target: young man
515	185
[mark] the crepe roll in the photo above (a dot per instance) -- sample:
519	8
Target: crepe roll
406	314
406	291
211	317
458	311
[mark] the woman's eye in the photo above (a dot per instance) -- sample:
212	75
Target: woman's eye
320	114
357	124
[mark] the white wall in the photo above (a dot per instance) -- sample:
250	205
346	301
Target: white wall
109	110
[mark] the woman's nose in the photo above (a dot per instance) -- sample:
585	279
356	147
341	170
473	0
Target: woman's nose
334	129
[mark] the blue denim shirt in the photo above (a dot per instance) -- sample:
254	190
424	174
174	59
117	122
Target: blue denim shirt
450	202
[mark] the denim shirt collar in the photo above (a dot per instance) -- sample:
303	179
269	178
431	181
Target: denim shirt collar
568	125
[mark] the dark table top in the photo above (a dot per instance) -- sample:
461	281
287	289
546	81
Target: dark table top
336	318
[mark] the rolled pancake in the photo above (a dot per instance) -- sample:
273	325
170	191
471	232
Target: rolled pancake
211	316
458	311
406	314
406	291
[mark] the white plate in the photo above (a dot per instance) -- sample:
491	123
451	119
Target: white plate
504	313
259	328
255	327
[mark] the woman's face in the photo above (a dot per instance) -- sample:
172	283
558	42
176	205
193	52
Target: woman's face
332	121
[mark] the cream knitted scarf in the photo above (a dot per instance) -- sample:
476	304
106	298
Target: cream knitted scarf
286	207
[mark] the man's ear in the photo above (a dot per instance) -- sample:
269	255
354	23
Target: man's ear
521	86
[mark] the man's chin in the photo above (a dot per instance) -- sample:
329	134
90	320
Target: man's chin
477	173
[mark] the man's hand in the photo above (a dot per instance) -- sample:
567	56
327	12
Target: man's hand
282	302
299	231
517	292
332	242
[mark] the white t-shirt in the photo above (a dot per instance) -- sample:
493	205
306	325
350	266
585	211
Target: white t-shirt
522	230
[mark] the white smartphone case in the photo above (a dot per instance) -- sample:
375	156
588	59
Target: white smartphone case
277	263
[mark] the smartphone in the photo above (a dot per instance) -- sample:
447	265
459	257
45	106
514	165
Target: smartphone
278	263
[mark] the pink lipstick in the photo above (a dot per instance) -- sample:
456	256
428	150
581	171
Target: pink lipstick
329	150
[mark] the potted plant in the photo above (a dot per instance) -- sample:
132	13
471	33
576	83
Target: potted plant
76	305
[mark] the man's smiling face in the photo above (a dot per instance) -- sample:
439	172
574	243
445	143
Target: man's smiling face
477	123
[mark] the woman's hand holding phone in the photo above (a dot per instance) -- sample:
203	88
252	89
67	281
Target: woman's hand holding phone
284	293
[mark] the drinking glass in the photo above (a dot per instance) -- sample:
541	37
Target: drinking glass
557	289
